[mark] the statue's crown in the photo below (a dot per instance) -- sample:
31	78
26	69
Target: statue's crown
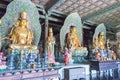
50	30
101	33
96	38
23	15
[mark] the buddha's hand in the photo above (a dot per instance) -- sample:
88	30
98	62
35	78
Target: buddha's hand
5	38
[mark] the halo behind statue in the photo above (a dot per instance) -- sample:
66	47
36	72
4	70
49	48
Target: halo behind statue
100	28
12	14
71	20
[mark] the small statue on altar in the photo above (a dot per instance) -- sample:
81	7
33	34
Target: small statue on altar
68	57
113	55
50	42
108	49
98	55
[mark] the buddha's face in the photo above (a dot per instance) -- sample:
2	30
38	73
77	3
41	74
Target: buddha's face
108	40
23	23
96	38
101	35
73	30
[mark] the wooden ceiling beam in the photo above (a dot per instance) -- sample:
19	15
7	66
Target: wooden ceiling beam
50	3
104	11
7	0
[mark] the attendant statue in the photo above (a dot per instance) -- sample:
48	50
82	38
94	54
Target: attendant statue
96	52
108	49
50	42
68	57
20	35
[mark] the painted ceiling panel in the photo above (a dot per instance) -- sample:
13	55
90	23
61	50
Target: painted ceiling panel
96	11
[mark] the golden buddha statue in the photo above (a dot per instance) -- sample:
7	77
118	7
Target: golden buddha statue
95	43
20	35
101	40
73	40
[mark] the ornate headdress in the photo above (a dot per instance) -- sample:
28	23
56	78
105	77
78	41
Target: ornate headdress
23	16
50	30
101	33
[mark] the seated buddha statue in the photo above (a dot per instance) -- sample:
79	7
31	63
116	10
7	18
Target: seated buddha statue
101	40
20	35
73	44
73	40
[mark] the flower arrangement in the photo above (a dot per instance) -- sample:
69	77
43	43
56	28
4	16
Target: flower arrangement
2	62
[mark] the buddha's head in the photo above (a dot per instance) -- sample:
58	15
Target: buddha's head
23	23
96	38
101	35
23	15
108	40
23	19
73	29
50	32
